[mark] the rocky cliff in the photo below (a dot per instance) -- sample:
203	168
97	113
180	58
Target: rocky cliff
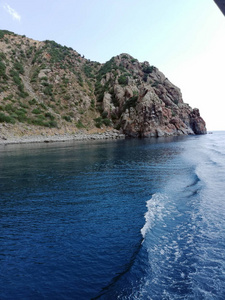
46	85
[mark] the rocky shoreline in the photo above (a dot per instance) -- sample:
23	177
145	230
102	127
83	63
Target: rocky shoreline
81	136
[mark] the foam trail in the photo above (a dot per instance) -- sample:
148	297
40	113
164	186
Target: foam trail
155	211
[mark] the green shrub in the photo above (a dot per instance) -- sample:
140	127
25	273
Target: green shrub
7	119
18	66
131	102
65	80
51	124
36	111
98	122
67	97
80	125
38	122
21	115
9	108
29	52
24	105
2	70
22	93
107	67
156	83
2	56
42	105
41	121
80	80
57	52
123	80
118	126
32	102
148	69
3	32
115	100
67	118
49	115
92	104
145	77
3	88
35	75
8	97
88	71
21	111
16	78
45	78
104	114
45	83
37	56
106	122
48	90
100	90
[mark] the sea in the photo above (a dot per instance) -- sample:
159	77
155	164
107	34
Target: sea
124	219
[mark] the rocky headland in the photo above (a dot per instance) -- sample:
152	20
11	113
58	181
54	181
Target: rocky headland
50	91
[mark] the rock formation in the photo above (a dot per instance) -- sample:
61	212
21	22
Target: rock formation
45	84
143	102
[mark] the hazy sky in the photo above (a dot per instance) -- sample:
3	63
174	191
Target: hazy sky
185	39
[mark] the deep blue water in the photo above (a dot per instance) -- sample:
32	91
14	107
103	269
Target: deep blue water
127	219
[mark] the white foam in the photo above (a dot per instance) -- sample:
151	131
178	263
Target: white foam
155	210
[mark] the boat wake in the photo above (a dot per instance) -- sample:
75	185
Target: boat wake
155	208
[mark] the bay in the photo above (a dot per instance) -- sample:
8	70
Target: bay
83	220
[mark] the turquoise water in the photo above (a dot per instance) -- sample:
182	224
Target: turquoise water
128	219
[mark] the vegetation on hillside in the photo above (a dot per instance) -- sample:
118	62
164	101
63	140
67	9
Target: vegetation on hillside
46	84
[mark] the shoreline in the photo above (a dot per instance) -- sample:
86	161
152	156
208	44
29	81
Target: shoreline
45	138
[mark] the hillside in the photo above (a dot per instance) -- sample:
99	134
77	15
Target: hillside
48	87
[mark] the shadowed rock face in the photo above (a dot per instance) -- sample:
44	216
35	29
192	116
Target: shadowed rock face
197	123
48	85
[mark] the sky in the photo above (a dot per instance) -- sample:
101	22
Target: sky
183	39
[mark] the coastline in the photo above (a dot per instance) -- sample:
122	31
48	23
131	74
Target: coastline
45	138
